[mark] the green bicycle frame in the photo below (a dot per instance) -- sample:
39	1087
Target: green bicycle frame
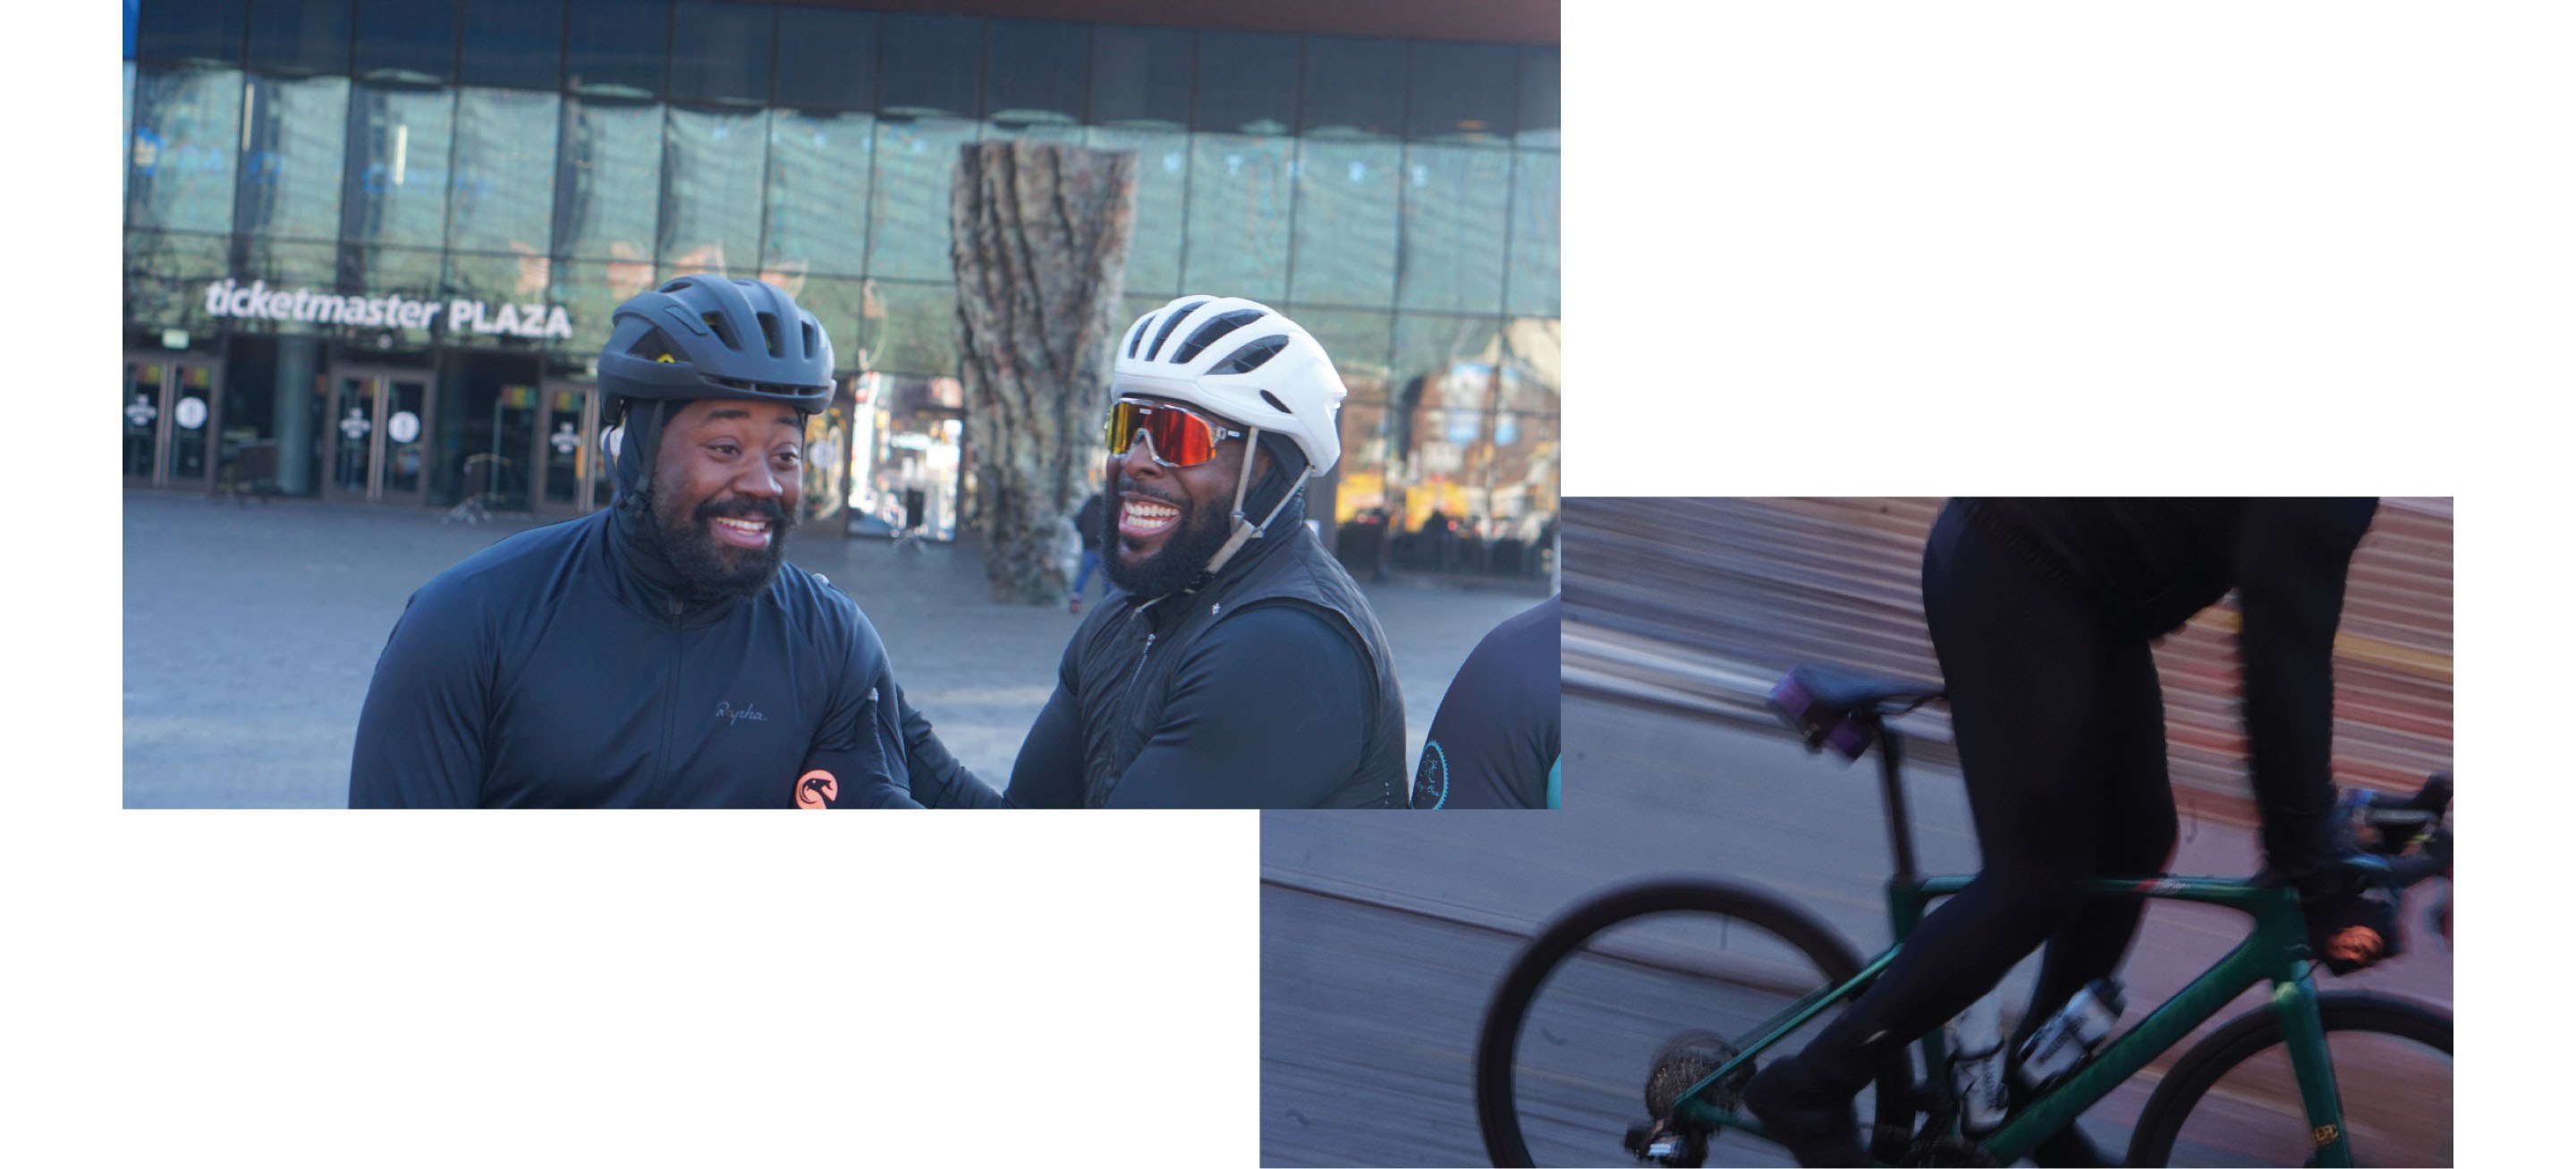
2266	954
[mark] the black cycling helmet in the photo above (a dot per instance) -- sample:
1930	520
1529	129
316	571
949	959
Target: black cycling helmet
706	336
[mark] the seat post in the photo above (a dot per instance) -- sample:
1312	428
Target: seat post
1900	826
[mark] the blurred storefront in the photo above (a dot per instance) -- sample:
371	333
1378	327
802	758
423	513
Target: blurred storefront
371	247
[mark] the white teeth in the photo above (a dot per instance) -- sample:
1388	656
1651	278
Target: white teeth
1141	510
744	525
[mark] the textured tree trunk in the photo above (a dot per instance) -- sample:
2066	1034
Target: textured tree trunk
1039	238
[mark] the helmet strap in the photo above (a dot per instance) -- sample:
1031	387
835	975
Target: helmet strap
1244	532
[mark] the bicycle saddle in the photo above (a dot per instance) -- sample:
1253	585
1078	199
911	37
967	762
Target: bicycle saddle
1825	706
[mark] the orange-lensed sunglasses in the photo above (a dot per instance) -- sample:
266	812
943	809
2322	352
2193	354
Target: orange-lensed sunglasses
1180	436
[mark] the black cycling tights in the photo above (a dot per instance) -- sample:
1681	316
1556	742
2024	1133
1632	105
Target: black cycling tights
2060	729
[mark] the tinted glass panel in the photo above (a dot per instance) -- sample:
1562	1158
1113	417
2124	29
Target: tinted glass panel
1535	234
836	303
168	276
911	328
607	203
827	59
309	36
713	165
1238	234
514	43
720	52
414	274
1463	93
398	179
1247	83
1456	199
504	187
1140	77
932	64
187	127
1034	71
1538	96
1437	393
908	207
297	131
818	192
1354	87
191	30
1347	210
1358	343
615	48
178	255
407	40
495	281
1162	205
589	294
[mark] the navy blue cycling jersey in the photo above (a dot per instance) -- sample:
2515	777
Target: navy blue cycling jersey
1494	743
561	668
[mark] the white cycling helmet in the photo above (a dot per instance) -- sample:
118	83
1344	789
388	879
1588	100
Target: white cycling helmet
1240	361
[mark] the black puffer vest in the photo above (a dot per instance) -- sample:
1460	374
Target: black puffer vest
1129	652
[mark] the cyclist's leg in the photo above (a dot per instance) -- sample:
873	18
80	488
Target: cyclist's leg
2136	835
2021	654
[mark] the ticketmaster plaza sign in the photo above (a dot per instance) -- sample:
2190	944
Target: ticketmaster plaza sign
258	301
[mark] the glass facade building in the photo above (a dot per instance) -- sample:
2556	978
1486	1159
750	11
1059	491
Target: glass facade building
371	247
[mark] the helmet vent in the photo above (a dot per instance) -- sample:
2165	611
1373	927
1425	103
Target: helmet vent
1276	404
654	345
1253	355
723	329
1136	336
1209	333
809	338
1169	323
769	334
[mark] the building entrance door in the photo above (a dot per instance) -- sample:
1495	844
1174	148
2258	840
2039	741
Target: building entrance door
379	425
566	450
171	403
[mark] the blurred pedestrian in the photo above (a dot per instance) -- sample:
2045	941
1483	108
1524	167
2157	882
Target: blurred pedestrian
1087	524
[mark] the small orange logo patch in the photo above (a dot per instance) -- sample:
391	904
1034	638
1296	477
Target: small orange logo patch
2357	943
817	789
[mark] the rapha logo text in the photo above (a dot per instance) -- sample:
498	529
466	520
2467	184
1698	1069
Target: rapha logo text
731	716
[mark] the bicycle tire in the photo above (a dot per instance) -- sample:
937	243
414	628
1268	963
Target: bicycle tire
2160	1123
1498	1039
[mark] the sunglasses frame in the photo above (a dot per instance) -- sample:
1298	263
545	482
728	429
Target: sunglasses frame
1215	426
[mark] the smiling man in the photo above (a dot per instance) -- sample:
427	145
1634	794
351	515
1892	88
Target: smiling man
1237	665
661	652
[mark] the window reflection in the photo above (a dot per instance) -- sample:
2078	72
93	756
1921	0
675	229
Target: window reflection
1140	77
720	52
1455	202
310	36
931	64
611	184
615	48
1539	114
907	445
1034	72
201	30
1471	454
398	165
1238	233
1162	205
514	43
513	280
1534	233
715	165
406	40
187	127
908	210
1347	210
817	192
1247	83
910	328
505	171
295	132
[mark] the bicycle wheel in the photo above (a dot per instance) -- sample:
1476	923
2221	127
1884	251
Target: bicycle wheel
2233	1100
1574	1030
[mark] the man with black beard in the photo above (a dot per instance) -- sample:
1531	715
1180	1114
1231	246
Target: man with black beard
1237	665
659	653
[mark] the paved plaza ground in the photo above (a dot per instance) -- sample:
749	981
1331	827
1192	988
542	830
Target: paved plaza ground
251	632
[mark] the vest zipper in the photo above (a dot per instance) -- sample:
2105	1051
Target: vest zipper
670	716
